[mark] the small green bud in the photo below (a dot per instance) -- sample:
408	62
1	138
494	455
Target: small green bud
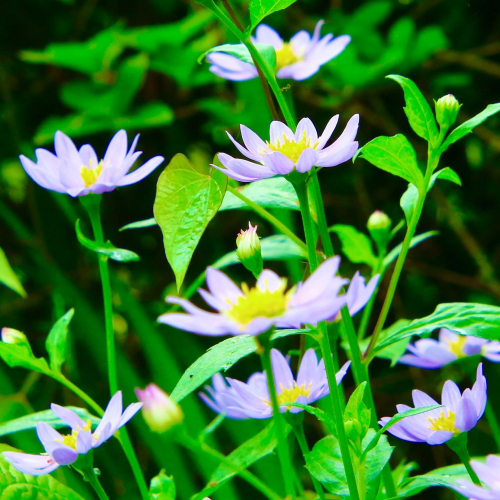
447	108
248	250
11	336
379	226
353	430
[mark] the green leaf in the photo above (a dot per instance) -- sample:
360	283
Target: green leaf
409	202
239	51
356	245
28	422
478	320
394	155
257	447
417	109
56	342
394	351
318	413
140	224
15	485
259	9
394	253
275	192
357	416
107	249
469	125
446	174
162	487
8	276
186	201
219	357
20	355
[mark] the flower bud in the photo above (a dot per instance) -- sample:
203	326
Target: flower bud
11	336
248	250
158	410
447	108
379	226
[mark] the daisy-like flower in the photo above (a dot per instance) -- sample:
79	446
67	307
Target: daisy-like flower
287	151
78	172
460	413
358	294
255	310
64	449
238	400
488	474
430	353
298	59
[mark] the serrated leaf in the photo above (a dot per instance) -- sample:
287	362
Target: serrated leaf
356	245
394	155
8	276
469	126
162	487
394	253
357	412
56	343
239	51
107	249
418	111
20	355
186	201
259	9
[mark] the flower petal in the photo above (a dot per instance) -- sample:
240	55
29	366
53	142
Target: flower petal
139	173
307	159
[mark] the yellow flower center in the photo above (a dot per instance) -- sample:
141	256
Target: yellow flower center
290	148
90	174
291	395
70	439
456	347
257	303
444	423
286	56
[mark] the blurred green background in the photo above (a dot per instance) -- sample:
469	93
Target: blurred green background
89	68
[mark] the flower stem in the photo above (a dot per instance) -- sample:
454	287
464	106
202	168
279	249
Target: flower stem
459	446
91	477
493	423
283	450
76	390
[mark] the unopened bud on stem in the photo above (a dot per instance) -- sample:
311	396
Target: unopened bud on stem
248	250
379	226
447	108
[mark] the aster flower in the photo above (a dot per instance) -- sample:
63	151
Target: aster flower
488	474
287	151
255	310
358	294
241	400
298	59
64	449
460	413
430	353
79	172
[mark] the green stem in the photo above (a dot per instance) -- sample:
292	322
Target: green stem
493	423
459	446
91	477
283	451
301	190
324	234
76	390
267	216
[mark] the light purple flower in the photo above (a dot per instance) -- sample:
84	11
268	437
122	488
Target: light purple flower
287	151
488	474
255	310
430	353
460	413
64	449
79	172
298	59
238	400
358	294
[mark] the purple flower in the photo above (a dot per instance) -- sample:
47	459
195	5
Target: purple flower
430	353
238	400
255	310
79	172
286	151
64	449
460	413
358	294
488	474
298	60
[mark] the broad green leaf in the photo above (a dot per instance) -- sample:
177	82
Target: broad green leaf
140	224
20	355
239	51
56	342
409	202
186	201
17	486
107	249
394	253
356	245
219	357
29	422
8	276
259	9
446	174
257	447
162	487
394	155
417	109
318	413
275	192
469	126
276	247
357	416
394	351
478	320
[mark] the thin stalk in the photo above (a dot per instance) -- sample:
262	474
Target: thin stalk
324	234
459	446
301	190
491	418
267	216
283	450
76	390
91	477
